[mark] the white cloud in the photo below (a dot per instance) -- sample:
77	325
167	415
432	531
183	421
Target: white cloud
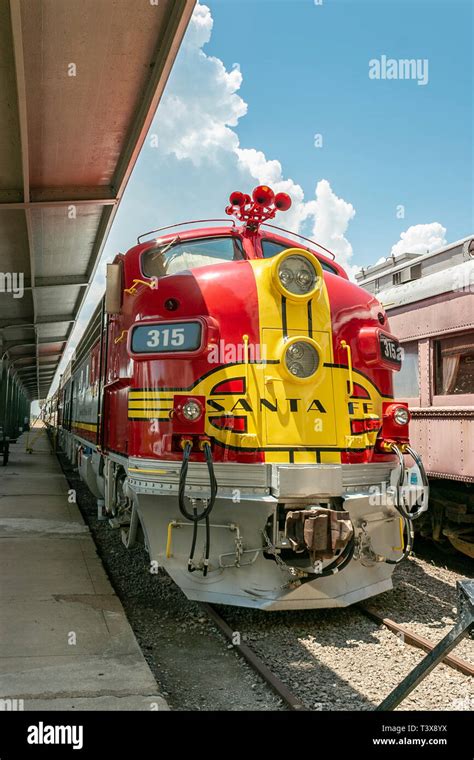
200	28
270	172
194	124
421	238
331	218
201	103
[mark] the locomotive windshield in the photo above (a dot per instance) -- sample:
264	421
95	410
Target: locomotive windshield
190	254
272	248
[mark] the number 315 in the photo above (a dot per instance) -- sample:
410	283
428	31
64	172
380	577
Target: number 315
165	337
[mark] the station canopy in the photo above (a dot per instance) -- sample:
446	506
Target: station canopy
79	86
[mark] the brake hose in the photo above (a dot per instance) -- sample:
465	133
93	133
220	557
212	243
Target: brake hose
208	547
191	567
399	505
196	516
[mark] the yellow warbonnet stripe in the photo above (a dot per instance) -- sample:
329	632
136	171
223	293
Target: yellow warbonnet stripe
304	425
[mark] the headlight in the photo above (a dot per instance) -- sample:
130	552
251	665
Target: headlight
297	275
192	410
401	415
301	359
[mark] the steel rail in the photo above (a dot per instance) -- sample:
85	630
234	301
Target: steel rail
417	641
255	662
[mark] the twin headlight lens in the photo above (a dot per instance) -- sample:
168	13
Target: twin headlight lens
297	275
301	359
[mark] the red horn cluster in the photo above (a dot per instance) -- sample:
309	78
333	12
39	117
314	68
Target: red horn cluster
257	209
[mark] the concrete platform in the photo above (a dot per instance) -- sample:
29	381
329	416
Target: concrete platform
65	643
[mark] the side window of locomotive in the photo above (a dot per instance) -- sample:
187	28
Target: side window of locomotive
271	248
191	254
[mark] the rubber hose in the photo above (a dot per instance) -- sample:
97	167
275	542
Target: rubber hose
196	517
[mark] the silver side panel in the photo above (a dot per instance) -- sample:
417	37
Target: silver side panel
229	475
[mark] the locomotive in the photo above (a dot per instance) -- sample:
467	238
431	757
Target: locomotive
230	405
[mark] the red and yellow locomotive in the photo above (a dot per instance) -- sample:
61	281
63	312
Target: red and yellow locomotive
231	401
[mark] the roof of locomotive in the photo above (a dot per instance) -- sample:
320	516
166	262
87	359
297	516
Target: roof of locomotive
265	232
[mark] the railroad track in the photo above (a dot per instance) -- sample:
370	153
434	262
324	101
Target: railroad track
409	637
282	690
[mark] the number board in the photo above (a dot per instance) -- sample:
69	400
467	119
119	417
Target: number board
390	350
166	338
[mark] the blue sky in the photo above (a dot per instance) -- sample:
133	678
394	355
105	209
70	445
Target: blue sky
384	142
304	70
253	83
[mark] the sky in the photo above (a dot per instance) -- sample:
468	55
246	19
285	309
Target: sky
313	98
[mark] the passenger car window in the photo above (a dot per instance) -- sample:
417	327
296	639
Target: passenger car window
454	365
190	254
272	248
